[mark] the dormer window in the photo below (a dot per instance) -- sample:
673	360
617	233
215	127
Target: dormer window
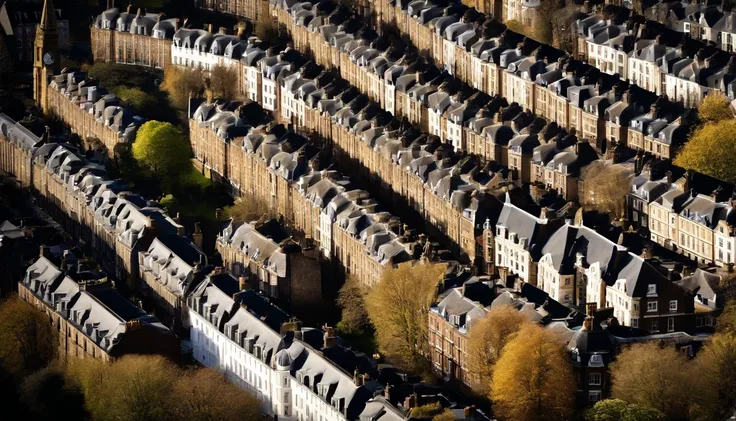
652	289
596	360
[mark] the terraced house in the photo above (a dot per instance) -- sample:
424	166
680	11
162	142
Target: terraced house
93	320
346	223
140	38
296	373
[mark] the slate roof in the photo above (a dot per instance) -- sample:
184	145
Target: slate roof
101	312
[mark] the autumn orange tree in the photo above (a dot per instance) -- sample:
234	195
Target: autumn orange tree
488	336
398	309
533	379
711	150
181	83
653	376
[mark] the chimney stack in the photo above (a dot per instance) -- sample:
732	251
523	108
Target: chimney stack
197	236
242	283
330	340
45	251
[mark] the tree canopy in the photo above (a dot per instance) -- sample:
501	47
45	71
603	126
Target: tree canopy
162	148
398	309
533	379
48	393
224	82
181	83
27	340
351	300
488	336
715	384
141	102
714	108
620	410
142	388
249	209
711	150
606	186
655	377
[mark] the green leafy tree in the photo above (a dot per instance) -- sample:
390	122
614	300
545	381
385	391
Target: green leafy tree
711	150
142	103
27	340
426	411
620	410
163	149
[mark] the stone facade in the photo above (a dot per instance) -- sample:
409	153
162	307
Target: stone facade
94	321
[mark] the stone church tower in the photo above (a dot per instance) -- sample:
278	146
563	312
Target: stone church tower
45	54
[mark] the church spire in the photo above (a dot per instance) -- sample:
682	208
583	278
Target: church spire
48	16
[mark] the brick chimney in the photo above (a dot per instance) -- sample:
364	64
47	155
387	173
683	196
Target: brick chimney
197	236
330	340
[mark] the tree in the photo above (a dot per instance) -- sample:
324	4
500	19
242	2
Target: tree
139	101
516	26
266	30
542	24
711	150
181	83
248	209
726	322
224	82
27	340
162	148
398	308
207	395
714	108
533	379
426	411
47	393
488	336
654	377
619	410
152	388
445	415
715	384
133	388
606	186
351	300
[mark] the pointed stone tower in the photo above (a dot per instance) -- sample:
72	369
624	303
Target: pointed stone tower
45	54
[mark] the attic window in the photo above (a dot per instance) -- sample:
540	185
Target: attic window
652	289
